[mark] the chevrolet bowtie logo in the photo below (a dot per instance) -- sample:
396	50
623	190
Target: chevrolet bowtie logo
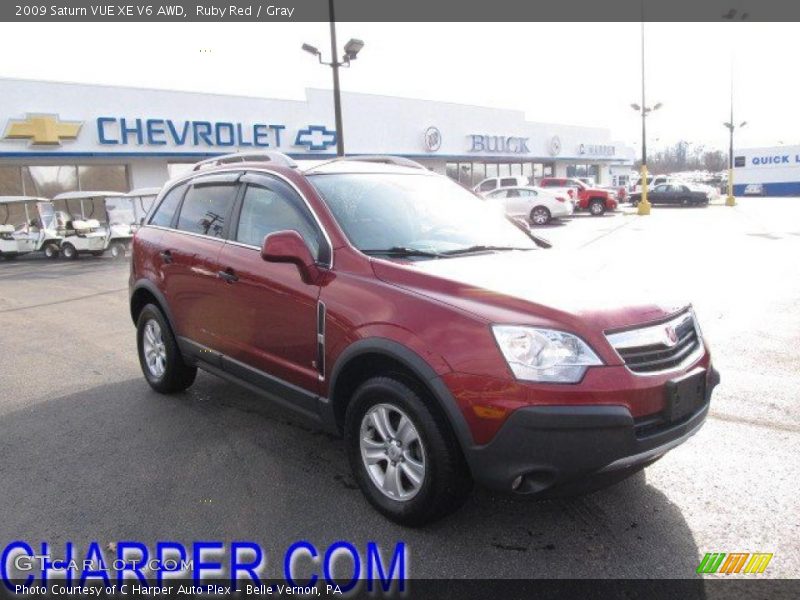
46	130
316	137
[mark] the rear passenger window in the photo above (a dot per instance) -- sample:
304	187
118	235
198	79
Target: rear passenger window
166	210
266	211
508	181
206	208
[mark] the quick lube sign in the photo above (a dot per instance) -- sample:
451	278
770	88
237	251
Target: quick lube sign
775	160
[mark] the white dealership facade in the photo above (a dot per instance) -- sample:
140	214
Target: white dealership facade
64	136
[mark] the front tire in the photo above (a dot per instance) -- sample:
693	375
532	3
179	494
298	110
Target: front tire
540	215
597	207
159	355
69	252
403	453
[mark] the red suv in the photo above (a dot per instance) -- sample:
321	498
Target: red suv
393	307
596	200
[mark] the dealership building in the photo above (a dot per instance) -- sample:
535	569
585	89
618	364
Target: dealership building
60	137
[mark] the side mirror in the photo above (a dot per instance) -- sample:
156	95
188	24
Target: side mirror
289	247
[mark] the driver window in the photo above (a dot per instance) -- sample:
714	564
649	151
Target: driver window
266	211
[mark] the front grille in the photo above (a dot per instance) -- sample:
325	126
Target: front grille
654	348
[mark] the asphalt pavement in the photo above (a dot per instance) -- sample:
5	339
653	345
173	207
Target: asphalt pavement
89	452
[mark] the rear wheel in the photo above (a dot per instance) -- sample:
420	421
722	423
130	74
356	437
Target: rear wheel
540	215
159	355
597	207
403	453
51	250
117	251
69	252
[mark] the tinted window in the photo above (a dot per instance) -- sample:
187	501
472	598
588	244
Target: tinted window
489	184
661	188
166	210
266	211
512	194
508	181
206	208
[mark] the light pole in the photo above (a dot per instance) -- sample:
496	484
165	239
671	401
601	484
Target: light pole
351	50
731	201
644	205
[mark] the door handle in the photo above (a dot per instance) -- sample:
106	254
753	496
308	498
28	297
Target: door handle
228	275
166	256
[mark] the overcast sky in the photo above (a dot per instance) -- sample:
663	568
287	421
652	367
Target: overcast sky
575	73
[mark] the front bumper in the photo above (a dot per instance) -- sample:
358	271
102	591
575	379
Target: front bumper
540	448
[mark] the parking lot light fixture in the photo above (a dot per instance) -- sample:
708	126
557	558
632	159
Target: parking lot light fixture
351	50
644	206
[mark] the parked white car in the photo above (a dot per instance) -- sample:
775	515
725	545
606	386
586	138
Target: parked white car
493	183
537	205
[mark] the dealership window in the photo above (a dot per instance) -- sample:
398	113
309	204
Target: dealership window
112	178
49	180
451	169
11	181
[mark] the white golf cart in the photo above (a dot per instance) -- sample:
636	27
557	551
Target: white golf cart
97	221
28	224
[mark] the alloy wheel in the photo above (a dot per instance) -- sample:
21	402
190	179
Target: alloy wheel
392	452
155	353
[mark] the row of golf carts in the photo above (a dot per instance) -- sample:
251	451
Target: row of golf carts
72	223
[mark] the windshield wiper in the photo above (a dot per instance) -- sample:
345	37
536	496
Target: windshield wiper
401	252
480	248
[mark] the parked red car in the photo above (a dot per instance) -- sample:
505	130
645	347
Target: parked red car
596	200
393	307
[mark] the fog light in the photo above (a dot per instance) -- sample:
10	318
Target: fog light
516	483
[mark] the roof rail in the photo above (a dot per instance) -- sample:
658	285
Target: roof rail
398	161
279	158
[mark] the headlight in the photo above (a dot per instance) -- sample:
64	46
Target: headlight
544	354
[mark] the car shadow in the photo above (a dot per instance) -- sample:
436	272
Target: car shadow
29	269
217	462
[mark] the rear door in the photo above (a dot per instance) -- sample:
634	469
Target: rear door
271	338
188	255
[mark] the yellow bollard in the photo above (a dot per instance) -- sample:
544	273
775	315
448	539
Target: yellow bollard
731	201
644	205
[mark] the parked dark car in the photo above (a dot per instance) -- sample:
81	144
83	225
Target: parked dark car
394	308
672	193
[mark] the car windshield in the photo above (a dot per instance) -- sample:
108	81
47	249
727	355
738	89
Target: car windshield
419	215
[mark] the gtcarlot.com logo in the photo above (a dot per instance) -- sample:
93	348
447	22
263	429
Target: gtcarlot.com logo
734	562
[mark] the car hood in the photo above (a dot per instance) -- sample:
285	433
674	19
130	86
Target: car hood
544	288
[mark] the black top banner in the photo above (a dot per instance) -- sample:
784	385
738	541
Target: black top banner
401	10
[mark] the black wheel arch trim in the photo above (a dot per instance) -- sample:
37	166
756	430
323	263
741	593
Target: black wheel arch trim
417	365
149	286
